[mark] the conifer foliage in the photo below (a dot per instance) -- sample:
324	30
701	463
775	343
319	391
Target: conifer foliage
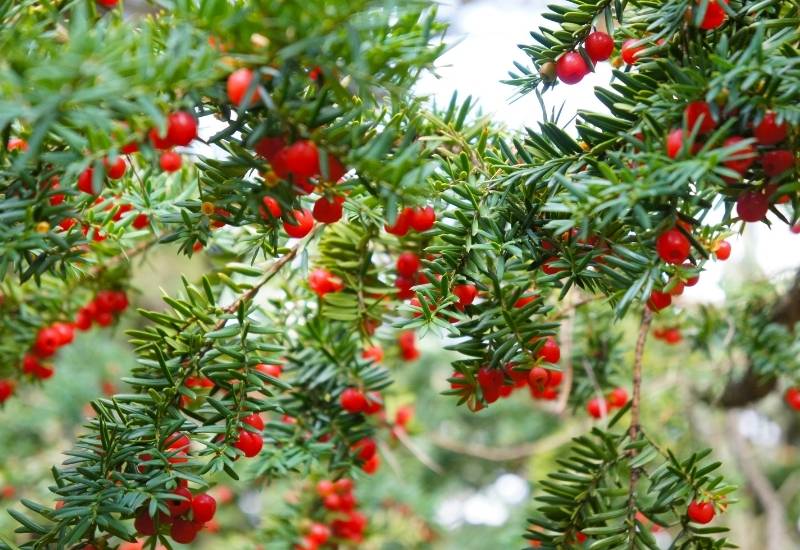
282	140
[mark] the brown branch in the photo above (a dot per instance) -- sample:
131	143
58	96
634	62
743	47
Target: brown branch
418	453
634	431
752	386
775	533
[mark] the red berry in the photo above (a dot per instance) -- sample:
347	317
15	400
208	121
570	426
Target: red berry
268	147
659	300
466	295
597	407
270	209
674	143
402	223
549	268
239	82
549	351
407	264
144	524
537	377
170	161
743	158
6	390
373	353
327	211
422	218
325	487
723	251
777	162
304	223
599	46
254	420
115	170
332	502
65	333
274	371
299	161
180	507
184	531
140	221
672	336
364	449
630	51
698	113
769	132
714	17
617	398
319	533
700	512
158	141
353	400
47	342
108	3
371	465
752	206
249	443
321	281
490	380
343	486
792	398
672	246
403	285
571	68
554	378
181	128
85	181
204	506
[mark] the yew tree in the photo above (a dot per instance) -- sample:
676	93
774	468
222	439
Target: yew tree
341	216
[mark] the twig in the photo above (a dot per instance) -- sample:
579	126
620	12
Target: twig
635	428
567	328
775	533
418	453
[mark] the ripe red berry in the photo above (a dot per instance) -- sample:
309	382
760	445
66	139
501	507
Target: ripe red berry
714	17
47	342
674	143
108	3
268	147
158	141
777	162
402	223
343	486
303	226
466	295
491	381
537	377
325	487
672	246
630	51
323	281
723	251
204	506
144	524
170	161
700	512
6	390
319	533
422	218
299	161
179	507
769	132
181	128
597	407
65	333
599	46
85	181
328	211
554	378
373	353
617	398
571	68
752	206
549	351
353	400
698	113
115	170
254	420
659	300
743	158
371	465
184	531
407	264
249	443
239	82
332	502
274	371
792	398
271	209
364	449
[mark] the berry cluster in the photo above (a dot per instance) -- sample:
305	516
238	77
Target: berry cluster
186	515
669	335
338	521
598	407
571	67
